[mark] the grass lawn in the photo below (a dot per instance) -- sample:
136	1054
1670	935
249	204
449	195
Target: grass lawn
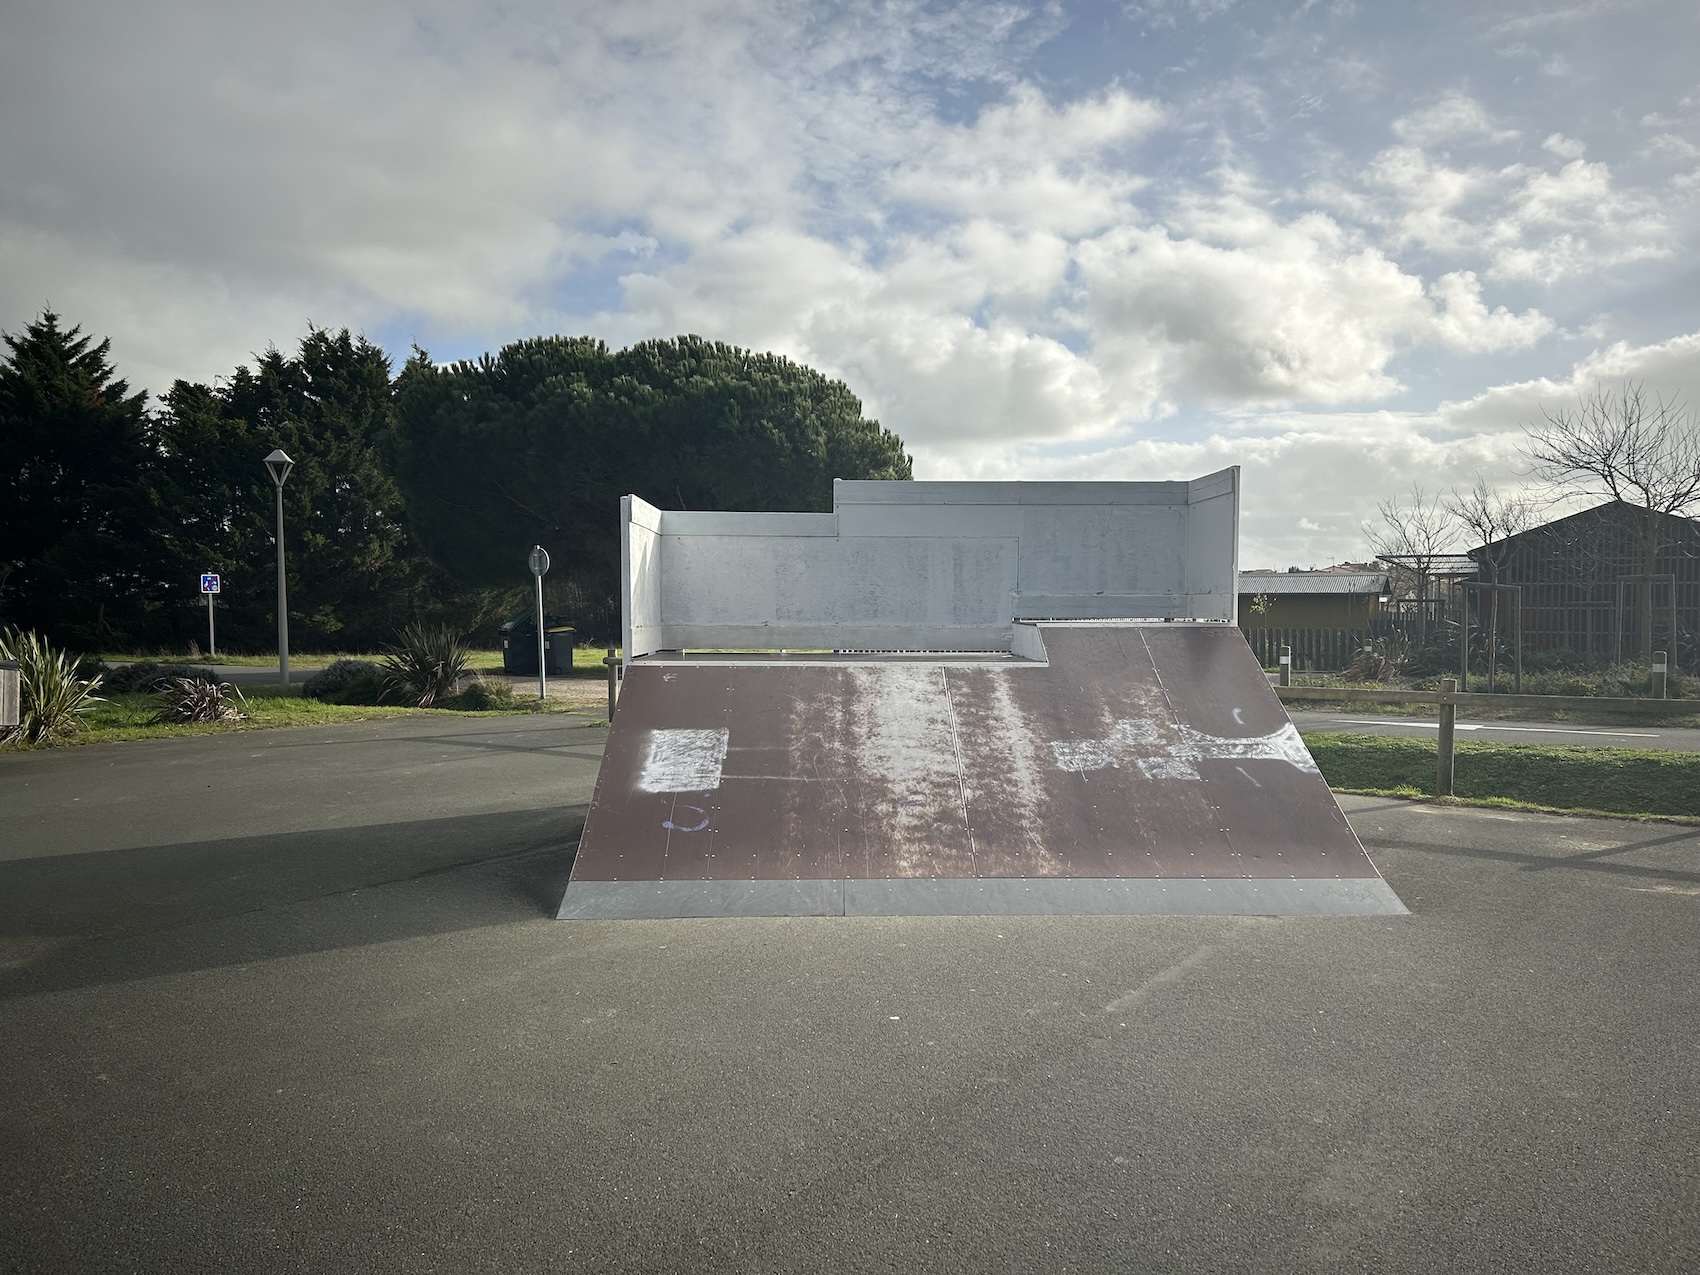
122	717
586	659
1622	781
231	661
1484	713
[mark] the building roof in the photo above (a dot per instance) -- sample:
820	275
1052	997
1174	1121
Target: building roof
1277	583
1677	526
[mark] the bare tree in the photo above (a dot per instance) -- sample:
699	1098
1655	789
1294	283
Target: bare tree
1491	519
1625	446
1410	538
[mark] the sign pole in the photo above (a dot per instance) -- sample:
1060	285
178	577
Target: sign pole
209	586
542	664
539	563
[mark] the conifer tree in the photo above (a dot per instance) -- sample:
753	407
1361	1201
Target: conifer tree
75	451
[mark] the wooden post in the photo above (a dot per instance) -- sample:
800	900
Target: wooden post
10	697
1518	596
613	663
1464	638
1286	666
1660	674
1448	729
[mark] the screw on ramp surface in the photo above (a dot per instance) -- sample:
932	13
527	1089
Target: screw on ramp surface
1140	769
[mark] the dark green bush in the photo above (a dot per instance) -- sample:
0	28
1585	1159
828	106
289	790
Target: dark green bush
367	689
339	677
148	676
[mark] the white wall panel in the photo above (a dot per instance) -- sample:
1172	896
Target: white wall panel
923	565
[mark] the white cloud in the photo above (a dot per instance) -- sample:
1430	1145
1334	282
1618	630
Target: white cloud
1455	116
1668	368
1573	222
1330	469
1009	261
1029	162
1515	222
1464	322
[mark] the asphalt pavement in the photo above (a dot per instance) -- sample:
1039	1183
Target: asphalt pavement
293	1001
1639	735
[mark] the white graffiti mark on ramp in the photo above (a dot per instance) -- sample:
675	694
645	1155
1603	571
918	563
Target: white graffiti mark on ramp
683	761
1160	752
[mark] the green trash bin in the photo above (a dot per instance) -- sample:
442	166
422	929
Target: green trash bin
557	649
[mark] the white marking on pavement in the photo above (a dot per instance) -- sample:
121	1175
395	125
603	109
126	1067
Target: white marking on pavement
1174	973
1526	726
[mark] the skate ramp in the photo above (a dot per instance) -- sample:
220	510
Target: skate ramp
1135	768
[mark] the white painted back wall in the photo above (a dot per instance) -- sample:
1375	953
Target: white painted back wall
929	565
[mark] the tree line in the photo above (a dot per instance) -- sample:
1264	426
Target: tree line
415	496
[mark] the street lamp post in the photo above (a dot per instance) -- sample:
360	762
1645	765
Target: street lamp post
278	466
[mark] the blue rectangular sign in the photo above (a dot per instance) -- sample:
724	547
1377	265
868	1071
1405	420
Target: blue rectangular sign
209	582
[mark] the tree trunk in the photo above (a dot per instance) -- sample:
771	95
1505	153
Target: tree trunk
1422	606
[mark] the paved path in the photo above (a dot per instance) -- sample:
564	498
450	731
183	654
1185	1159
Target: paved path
1640	735
292	1001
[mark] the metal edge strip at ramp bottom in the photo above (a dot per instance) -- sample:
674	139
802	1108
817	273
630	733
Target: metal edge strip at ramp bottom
983	896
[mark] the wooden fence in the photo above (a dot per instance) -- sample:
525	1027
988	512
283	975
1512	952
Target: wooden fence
1314	650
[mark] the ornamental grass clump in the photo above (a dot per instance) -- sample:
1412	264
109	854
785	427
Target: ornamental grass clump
484	695
426	665
196	699
51	697
1381	660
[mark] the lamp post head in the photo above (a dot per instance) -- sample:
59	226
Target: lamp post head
278	465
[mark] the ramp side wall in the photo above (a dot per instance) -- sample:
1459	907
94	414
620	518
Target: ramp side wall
640	576
1213	546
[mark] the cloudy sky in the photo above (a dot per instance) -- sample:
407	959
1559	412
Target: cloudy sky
1343	245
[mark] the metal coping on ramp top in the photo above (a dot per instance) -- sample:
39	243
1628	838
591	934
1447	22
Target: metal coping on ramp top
1139	770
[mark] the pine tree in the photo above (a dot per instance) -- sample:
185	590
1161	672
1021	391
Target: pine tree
75	450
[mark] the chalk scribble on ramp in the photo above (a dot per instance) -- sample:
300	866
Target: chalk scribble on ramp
1141	769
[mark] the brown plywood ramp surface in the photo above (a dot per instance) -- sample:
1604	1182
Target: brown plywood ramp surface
1141	769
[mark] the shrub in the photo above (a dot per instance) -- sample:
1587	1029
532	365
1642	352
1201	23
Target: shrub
1624	681
339	677
147	676
51	697
484	695
367	689
426	665
197	699
1381	659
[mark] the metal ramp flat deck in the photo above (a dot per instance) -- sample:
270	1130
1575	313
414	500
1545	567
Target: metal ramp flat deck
1139	769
